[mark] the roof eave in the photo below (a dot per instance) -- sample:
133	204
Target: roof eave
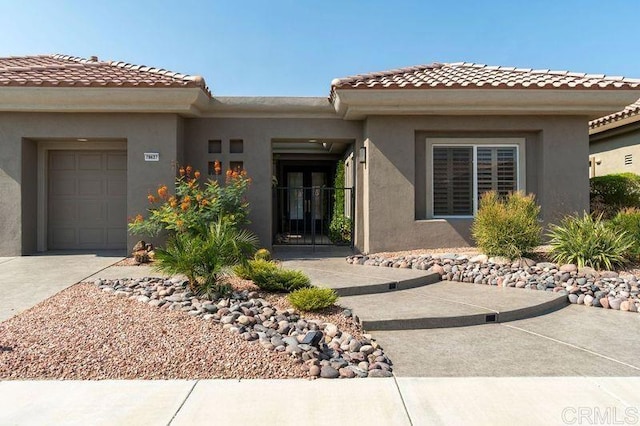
185	101
357	104
615	123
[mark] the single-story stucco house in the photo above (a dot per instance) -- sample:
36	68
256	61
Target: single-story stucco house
614	142
83	141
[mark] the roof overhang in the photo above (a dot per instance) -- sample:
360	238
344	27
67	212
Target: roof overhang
269	107
614	124
354	104
184	101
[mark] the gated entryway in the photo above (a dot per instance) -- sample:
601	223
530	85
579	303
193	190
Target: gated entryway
309	208
310	213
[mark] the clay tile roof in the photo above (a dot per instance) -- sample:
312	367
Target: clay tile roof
70	71
629	111
461	75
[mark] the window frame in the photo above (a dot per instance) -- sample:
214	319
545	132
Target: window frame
474	143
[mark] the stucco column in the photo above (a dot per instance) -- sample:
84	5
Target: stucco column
563	175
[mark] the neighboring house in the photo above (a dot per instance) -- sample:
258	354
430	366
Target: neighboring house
614	142
421	144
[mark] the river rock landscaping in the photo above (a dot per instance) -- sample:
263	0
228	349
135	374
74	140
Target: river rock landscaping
321	347
584	286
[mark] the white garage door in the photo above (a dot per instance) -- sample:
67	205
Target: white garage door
87	206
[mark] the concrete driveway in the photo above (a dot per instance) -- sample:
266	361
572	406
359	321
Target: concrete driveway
28	280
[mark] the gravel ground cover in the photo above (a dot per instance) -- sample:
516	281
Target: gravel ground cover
87	332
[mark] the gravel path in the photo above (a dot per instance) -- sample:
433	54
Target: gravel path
83	333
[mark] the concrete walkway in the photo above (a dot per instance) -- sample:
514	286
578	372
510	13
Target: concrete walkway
394	401
547	369
28	280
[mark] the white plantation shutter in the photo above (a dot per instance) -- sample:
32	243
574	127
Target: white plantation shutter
453	181
497	170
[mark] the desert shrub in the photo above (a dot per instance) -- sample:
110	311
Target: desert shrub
628	221
507	226
312	299
588	241
279	279
612	193
262	254
205	258
195	204
340	226
247	270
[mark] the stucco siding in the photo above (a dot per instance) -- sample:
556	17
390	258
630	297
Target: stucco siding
557	150
609	151
20	131
257	135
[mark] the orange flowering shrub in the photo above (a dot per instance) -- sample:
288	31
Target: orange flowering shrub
195	204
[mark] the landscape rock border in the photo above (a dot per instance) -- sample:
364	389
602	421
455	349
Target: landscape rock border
323	349
583	286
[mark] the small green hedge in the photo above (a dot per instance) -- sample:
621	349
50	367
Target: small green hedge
612	193
507	226
312	299
628	221
270	277
253	266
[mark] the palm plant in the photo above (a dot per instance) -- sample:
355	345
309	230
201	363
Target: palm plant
206	258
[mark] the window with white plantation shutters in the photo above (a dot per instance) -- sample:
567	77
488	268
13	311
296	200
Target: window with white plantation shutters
459	183
496	170
453	181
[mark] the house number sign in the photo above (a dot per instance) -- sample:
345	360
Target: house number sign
151	156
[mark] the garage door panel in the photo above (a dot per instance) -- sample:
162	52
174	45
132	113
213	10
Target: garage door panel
116	213
61	184
62	160
64	238
116	162
63	211
91	187
87	200
90	162
116	186
91	237
92	211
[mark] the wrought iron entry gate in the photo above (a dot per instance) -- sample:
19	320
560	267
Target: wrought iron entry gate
314	215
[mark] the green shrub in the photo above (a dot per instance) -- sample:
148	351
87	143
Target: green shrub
507	226
269	276
312	299
279	280
588	241
612	193
340	226
246	271
628	221
205	258
262	254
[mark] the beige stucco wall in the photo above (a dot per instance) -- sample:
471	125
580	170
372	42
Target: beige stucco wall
19	137
257	135
557	151
609	149
389	186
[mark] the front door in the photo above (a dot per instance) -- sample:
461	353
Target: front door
307	203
